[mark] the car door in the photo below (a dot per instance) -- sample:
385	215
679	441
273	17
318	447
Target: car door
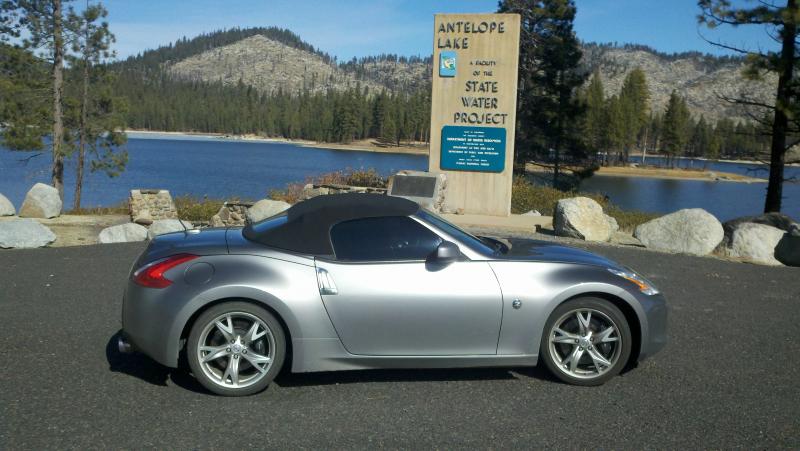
386	297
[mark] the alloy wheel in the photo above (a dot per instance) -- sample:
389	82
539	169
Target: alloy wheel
236	349
585	343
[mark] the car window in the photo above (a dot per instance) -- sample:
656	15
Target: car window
383	239
471	241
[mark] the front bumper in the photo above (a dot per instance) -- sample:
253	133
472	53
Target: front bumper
654	338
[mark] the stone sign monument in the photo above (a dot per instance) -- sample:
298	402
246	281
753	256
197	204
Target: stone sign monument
473	112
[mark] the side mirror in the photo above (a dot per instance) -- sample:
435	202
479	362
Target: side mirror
447	252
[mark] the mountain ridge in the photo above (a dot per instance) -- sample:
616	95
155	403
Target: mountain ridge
273	60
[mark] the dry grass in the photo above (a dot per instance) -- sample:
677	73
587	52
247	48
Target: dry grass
119	209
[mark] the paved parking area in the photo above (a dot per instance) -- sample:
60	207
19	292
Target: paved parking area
730	376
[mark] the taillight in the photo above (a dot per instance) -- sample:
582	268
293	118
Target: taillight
152	275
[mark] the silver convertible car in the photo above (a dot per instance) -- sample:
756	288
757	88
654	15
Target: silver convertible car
356	281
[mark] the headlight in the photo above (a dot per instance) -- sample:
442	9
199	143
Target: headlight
644	286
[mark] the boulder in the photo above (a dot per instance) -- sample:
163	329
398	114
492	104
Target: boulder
754	243
532	213
690	231
163	226
582	218
787	251
265	208
42	201
778	220
123	233
6	207
143	217
24	234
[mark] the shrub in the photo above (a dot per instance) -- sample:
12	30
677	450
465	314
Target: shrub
197	210
352	177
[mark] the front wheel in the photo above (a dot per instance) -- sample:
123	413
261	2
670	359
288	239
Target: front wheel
236	348
586	341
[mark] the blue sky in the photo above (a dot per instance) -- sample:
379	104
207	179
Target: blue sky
347	28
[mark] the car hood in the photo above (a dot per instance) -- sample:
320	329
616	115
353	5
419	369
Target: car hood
546	251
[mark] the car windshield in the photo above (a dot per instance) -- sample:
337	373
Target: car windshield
474	243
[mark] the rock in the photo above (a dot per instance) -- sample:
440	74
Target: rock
216	221
6	207
143	217
754	243
123	233
778	220
265	208
690	231
24	233
532	213
613	224
163	226
787	251
42	201
582	218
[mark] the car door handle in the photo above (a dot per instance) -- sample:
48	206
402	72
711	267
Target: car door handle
325	281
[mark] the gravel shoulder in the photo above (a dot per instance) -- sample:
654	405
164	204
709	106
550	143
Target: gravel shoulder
727	378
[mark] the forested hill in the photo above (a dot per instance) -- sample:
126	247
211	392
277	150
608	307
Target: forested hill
699	78
232	81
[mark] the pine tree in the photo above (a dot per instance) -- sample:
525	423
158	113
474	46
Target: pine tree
25	101
595	119
548	113
634	98
99	118
781	22
676	127
44	25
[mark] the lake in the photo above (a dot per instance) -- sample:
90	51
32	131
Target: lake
225	169
725	200
199	166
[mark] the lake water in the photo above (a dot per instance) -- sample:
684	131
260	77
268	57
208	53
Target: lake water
224	169
725	200
213	167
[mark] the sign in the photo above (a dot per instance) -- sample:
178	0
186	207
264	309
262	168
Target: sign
413	186
473	148
473	109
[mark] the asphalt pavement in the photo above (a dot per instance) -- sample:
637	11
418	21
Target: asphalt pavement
727	379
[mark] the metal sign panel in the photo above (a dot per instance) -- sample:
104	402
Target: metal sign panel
473	148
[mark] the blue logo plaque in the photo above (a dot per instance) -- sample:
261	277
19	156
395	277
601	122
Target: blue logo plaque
447	64
480	149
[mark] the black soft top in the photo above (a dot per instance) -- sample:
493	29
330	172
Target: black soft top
305	227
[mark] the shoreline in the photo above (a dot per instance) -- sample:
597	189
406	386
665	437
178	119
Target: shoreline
367	145
661	173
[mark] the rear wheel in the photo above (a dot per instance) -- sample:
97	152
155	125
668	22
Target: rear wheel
236	348
586	341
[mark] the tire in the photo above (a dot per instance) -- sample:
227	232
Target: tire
601	353
236	348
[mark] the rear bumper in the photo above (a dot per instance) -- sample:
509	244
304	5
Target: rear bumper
148	323
654	338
